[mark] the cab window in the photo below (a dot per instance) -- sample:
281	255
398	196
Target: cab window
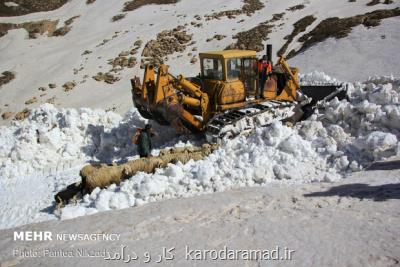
250	66
233	68
212	69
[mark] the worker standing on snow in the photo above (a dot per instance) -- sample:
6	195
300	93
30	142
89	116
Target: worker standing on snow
143	141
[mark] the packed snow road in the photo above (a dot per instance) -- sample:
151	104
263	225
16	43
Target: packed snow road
353	222
41	155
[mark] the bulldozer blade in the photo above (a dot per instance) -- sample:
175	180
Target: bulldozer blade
324	92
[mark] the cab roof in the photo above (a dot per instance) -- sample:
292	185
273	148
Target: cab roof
229	53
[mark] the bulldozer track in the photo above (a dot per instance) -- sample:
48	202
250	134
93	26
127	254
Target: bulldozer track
231	123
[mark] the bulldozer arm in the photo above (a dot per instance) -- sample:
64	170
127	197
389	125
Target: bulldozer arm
170	100
142	92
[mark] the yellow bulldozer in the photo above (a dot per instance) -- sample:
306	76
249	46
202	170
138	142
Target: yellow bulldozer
226	98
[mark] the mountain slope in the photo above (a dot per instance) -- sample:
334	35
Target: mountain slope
92	39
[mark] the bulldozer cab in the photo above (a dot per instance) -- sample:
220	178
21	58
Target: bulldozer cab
235	67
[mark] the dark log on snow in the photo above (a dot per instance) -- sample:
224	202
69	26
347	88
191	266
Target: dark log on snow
102	175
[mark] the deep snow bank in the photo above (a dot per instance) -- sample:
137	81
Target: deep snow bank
48	137
43	154
346	136
340	139
52	136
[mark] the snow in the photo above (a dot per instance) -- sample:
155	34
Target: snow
363	53
356	218
47	150
75	211
10	4
316	78
52	59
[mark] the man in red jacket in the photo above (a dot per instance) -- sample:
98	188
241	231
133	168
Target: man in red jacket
264	71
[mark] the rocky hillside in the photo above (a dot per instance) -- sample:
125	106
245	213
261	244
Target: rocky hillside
65	52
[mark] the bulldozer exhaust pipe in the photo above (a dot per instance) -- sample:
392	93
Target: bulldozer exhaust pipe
269	52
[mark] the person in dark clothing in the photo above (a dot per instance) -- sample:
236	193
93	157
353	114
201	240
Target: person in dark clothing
143	141
264	71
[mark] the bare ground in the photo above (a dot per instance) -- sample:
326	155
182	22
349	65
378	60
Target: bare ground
39	27
135	4
249	8
6	77
253	38
299	26
32	28
166	43
30	6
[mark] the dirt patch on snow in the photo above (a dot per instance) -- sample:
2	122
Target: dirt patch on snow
106	77
253	39
6	115
22	114
66	28
217	37
299	26
6	77
166	43
68	86
123	60
33	28
341	27
51	100
31	101
373	3
19	116
249	8
39	27
297	7
135	4
22	7
118	17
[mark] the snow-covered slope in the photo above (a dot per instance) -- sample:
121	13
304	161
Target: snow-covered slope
38	62
364	53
